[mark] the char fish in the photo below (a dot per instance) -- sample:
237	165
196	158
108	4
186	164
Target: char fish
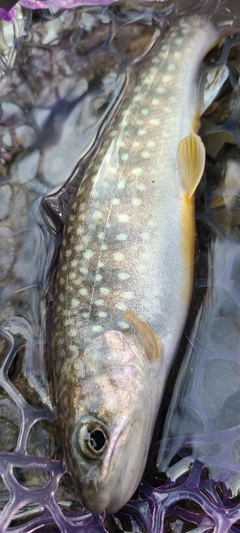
124	279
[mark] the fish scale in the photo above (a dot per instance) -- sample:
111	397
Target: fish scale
128	247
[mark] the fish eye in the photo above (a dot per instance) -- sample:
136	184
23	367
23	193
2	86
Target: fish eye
92	440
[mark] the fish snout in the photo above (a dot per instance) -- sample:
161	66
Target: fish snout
109	462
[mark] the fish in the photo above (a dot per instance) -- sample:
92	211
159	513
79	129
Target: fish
124	279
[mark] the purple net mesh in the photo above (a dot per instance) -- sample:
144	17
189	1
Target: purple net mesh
69	68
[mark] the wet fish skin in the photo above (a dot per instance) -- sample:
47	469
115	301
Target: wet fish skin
128	247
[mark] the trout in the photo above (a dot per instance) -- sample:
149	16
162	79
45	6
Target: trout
124	280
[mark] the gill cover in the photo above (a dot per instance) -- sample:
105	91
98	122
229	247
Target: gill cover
114	411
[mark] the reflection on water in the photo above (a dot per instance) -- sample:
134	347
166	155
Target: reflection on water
68	74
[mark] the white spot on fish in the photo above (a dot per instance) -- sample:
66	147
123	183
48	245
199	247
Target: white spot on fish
79	247
124	157
74	263
83	291
122	217
137	171
136	201
98	277
154	70
121	306
144	111
141	132
137	98
145	154
72	275
73	333
83	270
121	236
85	314
118	256
128	295
177	55
136	144
97	214
75	302
179	40
99	302
112	170
101	235
151	144
115	201
166	79
88	254
104	247
160	90
102	314
123	275
141	186
97	328
123	324
100	264
155	121
121	184
171	67
104	290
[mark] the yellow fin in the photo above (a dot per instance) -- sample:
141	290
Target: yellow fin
146	335
191	162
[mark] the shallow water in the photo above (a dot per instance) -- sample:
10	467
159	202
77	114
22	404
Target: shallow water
68	73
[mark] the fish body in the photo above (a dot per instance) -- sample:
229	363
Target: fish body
124	280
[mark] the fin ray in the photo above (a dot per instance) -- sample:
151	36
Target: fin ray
150	343
210	83
191	162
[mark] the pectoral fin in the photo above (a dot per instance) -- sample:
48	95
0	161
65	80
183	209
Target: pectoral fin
210	82
148	339
191	162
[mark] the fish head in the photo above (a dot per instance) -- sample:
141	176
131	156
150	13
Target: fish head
109	430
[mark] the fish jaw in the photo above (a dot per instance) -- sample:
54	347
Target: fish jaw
116	399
